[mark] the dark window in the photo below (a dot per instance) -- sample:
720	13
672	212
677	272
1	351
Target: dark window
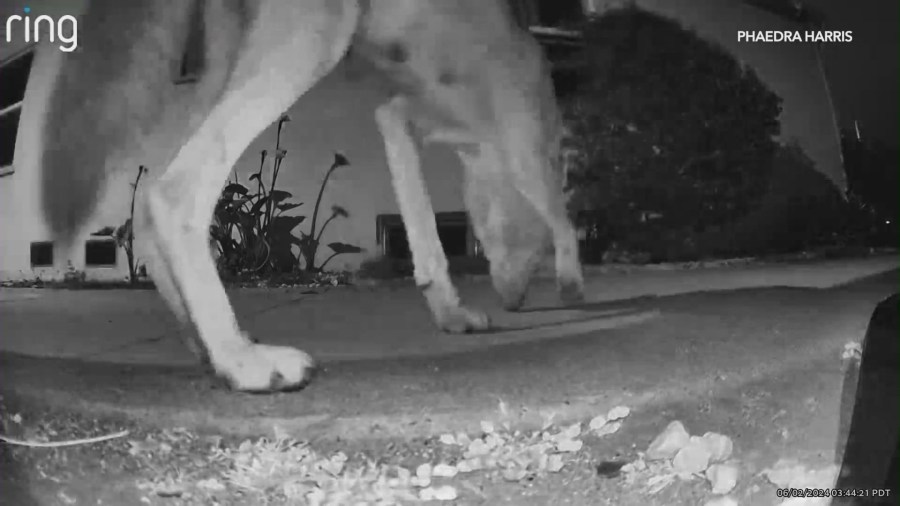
14	76
454	238
100	253
42	254
555	13
453	231
396	244
9	127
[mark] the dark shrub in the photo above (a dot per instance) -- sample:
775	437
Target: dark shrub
802	209
669	135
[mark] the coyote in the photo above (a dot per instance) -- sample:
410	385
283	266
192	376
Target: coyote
461	72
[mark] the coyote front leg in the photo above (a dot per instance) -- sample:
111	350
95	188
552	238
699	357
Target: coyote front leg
180	204
429	261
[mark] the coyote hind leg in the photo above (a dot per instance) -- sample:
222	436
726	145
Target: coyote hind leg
286	51
514	237
546	194
530	147
429	261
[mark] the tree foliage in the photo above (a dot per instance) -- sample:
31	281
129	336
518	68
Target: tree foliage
669	135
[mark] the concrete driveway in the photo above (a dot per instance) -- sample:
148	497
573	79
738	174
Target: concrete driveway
642	335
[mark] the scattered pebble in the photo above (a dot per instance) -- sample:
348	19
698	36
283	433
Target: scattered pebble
722	477
442	493
608	429
718	445
597	422
691	459
852	351
668	442
618	413
444	471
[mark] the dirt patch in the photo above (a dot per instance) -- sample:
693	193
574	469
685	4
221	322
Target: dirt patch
793	415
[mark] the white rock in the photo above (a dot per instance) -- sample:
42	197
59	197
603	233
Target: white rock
724	500
424	471
597	422
722	477
474	463
570	432
610	428
420	482
442	493
693	458
784	472
555	463
618	413
211	484
673	438
514	474
477	447
487	427
448	439
718	445
635	466
493	440
816	478
852	350
569	445
444	471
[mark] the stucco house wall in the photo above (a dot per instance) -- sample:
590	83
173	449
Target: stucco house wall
337	116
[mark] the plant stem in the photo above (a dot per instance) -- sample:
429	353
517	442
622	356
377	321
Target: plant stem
129	251
322	230
327	260
314	243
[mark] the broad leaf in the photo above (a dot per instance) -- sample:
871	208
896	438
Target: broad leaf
341	248
258	205
236	188
105	231
285	224
279	195
287	206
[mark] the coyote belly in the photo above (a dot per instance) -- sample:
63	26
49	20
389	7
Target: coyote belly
461	73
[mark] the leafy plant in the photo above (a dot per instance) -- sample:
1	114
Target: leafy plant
124	234
249	229
309	242
252	230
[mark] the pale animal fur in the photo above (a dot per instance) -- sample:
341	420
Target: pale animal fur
461	72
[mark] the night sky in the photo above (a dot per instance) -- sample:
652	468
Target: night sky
864	73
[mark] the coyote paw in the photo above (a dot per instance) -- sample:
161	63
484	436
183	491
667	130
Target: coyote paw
460	320
571	290
265	368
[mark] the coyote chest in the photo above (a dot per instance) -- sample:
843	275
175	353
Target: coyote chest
444	60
